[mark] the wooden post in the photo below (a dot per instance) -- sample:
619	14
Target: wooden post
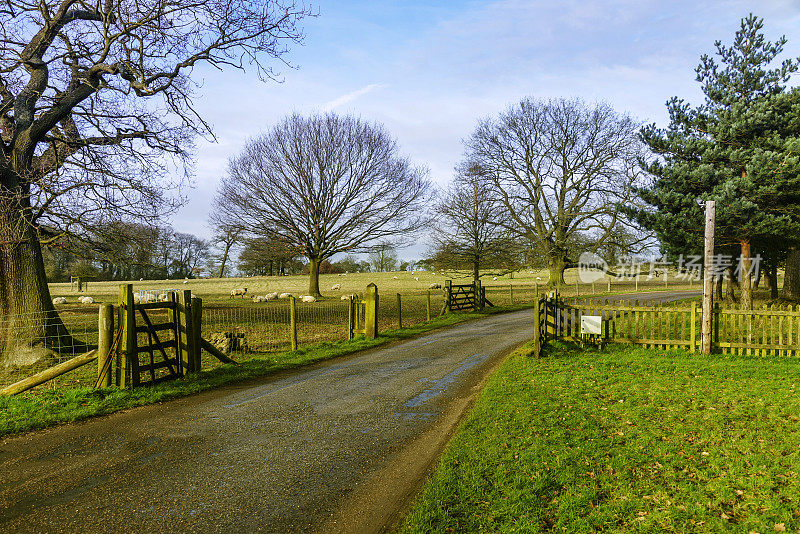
197	326
537	341
293	322
350	313
693	329
128	339
708	282
448	285
399	312
478	295
428	308
105	338
371	312
186	341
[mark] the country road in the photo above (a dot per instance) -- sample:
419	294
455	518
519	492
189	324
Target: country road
336	446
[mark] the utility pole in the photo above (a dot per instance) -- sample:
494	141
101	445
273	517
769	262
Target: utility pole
708	277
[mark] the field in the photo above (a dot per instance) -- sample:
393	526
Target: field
623	440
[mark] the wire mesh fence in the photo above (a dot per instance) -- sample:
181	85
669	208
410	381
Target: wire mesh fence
35	341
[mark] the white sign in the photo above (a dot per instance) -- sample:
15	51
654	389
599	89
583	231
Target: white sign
592	324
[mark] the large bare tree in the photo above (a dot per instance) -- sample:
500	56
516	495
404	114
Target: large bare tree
561	169
92	95
470	230
325	184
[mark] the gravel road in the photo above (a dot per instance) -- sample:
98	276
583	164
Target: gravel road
282	454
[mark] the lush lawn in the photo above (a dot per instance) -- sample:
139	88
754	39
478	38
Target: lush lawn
45	407
626	439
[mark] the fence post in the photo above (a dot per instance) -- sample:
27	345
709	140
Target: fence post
105	336
293	322
693	322
350	313
428	308
128	334
399	312
448	284
609	285
197	325
371	312
478	295
537	341
186	341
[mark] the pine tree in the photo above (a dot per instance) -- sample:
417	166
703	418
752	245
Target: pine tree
741	147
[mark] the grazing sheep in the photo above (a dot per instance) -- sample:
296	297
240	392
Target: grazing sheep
395	278
308	298
186	281
239	291
435	285
494	278
284	295
416	278
259	298
271	296
86	300
345	297
59	300
336	287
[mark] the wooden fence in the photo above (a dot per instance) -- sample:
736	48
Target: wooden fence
769	330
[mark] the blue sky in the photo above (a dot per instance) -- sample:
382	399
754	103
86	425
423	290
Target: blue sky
429	70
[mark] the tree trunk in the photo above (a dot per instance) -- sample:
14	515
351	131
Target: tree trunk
730	286
791	280
772	281
313	278
746	276
557	267
476	271
718	283
224	260
30	328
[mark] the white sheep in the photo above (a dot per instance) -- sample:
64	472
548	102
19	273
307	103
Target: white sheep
395	278
258	298
238	291
336	287
345	297
186	281
270	296
435	285
308	298
59	300
494	278
416	278
284	295
86	300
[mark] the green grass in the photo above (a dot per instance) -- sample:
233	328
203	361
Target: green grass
623	440
51	406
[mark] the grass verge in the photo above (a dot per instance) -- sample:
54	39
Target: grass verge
623	440
29	411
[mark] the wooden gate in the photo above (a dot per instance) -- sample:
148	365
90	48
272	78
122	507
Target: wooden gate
460	297
160	340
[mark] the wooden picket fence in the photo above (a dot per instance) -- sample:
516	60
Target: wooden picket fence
769	330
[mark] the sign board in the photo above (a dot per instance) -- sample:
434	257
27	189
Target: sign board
592	324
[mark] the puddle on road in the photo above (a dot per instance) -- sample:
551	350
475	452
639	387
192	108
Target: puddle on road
439	386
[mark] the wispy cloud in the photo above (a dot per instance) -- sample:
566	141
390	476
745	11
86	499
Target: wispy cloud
349	97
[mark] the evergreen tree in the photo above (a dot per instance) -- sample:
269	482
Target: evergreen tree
740	148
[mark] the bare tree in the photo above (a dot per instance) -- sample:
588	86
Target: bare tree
325	184
383	257
561	170
469	228
92	95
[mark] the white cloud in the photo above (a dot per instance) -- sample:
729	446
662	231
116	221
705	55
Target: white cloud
349	97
